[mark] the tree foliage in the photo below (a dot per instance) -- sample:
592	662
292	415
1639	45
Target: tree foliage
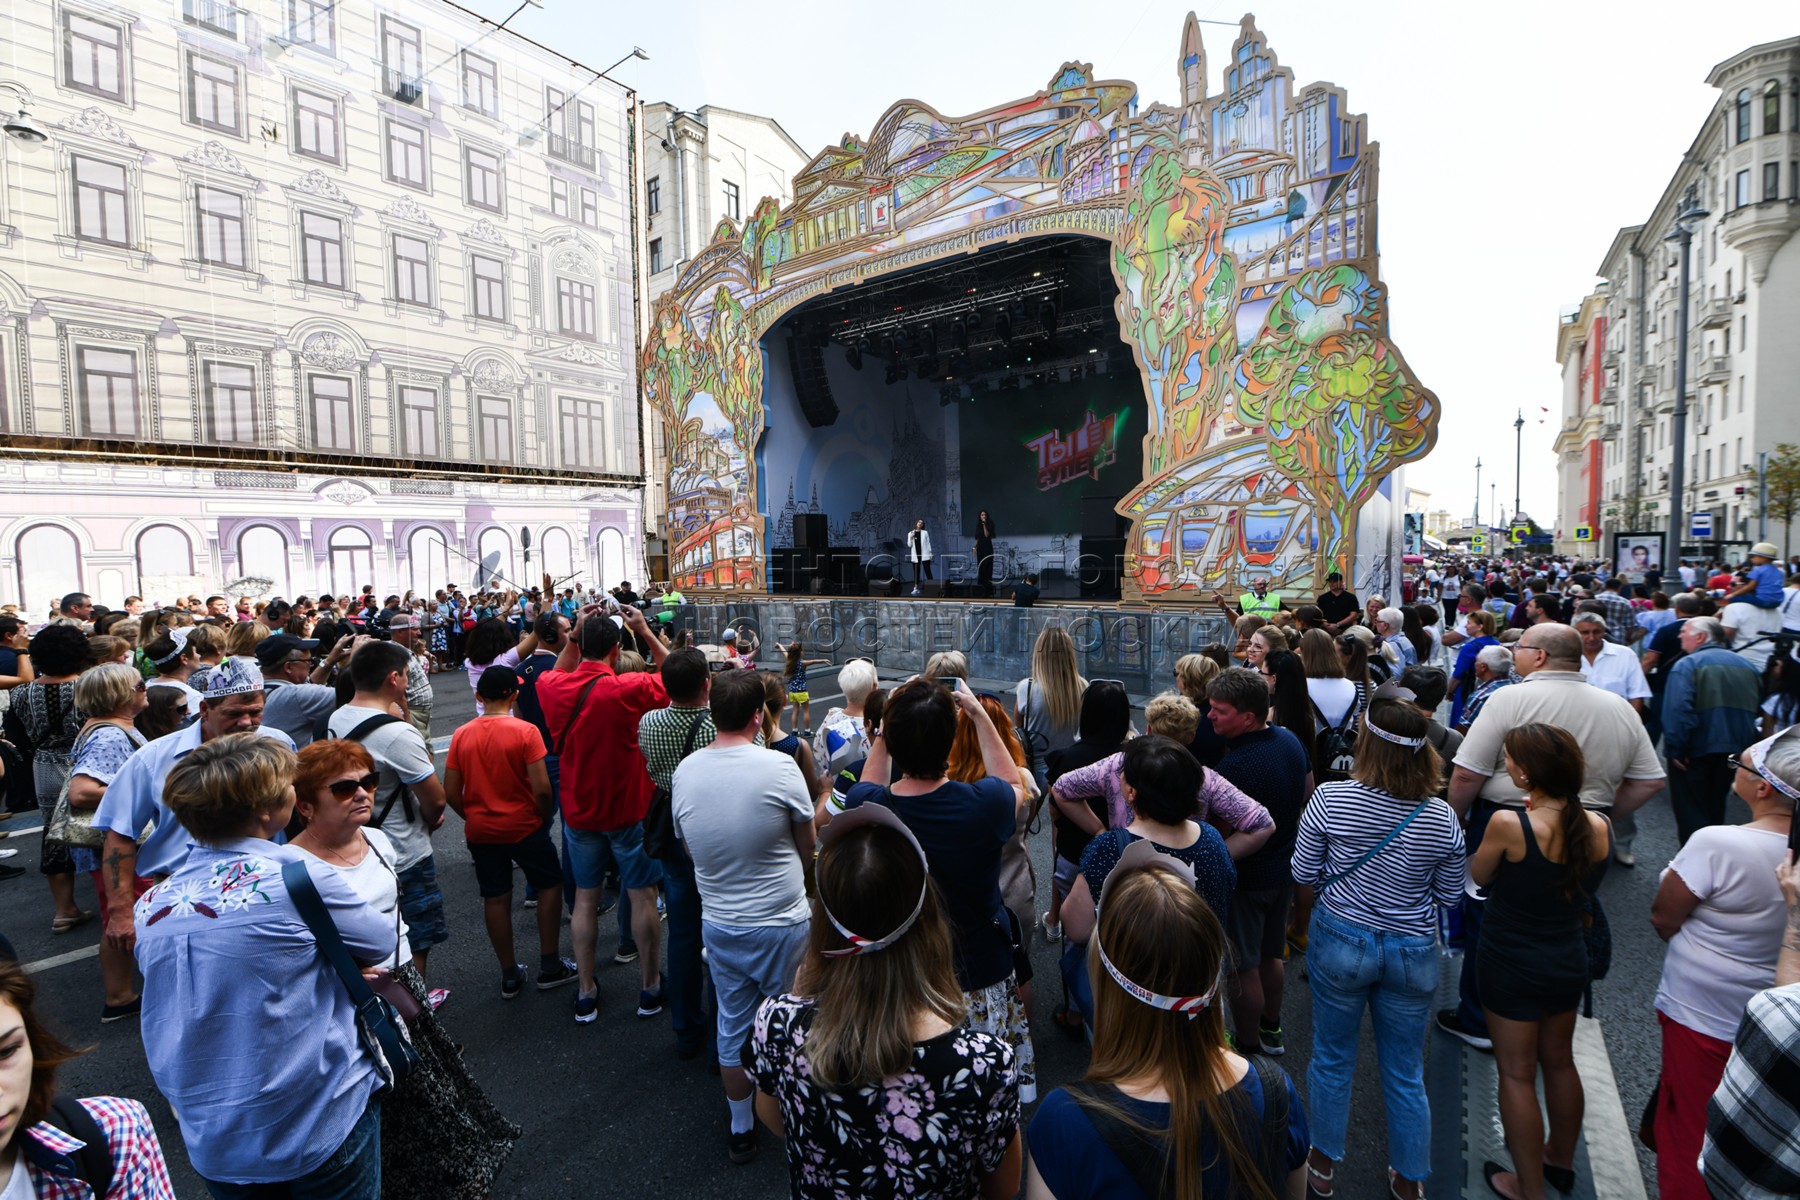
1781	488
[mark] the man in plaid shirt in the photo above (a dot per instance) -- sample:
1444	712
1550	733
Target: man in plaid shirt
1621	618
1752	1149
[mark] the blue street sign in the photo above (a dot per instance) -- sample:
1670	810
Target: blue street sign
1700	525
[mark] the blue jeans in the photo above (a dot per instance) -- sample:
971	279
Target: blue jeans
1393	976
684	985
353	1172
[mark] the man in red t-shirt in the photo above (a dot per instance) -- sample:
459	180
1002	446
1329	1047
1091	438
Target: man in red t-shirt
496	781
592	715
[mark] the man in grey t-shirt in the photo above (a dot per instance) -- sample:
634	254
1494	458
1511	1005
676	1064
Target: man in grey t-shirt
745	815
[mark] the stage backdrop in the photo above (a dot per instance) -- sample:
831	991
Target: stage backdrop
1242	227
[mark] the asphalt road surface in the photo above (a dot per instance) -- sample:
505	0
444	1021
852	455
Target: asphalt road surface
609	1111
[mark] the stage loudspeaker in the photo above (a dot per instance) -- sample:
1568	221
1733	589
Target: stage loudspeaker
929	587
811	388
1098	520
1101	560
811	532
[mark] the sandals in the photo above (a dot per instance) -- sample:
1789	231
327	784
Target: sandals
65	924
1326	1178
1395	1194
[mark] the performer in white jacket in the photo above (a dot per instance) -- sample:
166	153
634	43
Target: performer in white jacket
918	552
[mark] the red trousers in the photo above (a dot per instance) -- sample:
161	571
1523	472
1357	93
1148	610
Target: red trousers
1692	1065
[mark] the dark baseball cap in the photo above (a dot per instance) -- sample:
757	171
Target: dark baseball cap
273	651
497	683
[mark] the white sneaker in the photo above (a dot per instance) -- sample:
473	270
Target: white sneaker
915	591
1052	930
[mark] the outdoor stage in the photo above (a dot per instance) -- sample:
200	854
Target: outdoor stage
1133	643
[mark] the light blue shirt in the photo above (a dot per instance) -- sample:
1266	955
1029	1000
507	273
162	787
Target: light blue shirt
248	1031
1404	648
135	798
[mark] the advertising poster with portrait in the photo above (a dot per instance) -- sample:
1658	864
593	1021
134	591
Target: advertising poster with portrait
1637	554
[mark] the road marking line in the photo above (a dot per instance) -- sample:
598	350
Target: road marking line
1608	1134
20	832
62	960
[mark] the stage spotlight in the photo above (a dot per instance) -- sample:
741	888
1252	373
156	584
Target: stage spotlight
1047	317
854	354
890	348
959	331
896	372
927	344
1003	327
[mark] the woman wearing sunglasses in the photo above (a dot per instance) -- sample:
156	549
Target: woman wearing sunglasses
440	1134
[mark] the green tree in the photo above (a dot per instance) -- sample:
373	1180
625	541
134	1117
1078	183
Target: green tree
1781	490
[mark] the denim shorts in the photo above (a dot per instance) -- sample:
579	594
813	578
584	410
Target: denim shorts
748	965
591	852
1257	924
535	855
422	904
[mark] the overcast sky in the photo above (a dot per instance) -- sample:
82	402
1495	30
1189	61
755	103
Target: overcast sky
1515	139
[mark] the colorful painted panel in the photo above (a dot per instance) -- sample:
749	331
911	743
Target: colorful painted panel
1242	227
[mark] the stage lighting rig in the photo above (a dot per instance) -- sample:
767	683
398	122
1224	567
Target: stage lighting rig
896	372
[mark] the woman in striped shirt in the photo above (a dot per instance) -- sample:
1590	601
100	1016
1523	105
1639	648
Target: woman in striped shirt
1381	851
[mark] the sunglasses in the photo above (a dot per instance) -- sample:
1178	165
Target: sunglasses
343	789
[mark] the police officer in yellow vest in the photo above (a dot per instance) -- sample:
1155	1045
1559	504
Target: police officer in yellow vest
1259	601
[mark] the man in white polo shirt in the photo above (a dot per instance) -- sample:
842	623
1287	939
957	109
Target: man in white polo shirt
1608	665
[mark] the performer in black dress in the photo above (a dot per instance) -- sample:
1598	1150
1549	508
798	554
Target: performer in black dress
984	553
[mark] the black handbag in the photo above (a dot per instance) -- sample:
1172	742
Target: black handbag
659	819
379	1028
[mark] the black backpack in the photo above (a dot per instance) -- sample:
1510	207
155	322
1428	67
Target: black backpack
93	1162
1334	751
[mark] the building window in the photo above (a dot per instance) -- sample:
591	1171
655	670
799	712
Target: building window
1771	107
1741	196
734	201
656	262
221	218
214	95
489	287
1771	181
419	421
590	209
482	171
316	123
220	16
575	308
331	411
101	213
402	61
310	23
496	430
653	195
571	123
406	154
412	269
230	403
481	84
1742	124
321	250
352	559
94	56
583	433
559	197
108	383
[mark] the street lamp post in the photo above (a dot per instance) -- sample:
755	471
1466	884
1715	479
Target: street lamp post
1518	460
1477	521
1683	233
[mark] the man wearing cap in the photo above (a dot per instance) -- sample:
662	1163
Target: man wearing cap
1339	604
745	814
1622	769
740	652
296	699
233	703
1710	711
404	629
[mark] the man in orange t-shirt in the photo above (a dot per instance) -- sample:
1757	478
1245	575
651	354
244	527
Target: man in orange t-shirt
496	781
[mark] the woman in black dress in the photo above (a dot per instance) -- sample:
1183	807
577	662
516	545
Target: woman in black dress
984	552
1537	866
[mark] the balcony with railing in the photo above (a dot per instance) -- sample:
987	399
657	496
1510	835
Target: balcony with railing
1715	313
216	15
1713	368
570	150
403	85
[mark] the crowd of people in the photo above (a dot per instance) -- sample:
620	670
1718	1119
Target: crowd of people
839	920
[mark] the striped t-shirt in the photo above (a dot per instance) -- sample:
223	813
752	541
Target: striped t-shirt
1397	890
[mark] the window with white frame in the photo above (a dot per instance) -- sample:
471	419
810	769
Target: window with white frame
406	155
321	249
656	255
480	84
221	239
575	308
571	124
220	16
496	429
311	23
317	121
488	287
583	433
230	414
402	61
412	269
419	421
94	55
102	201
215	95
1741	194
559	197
481	179
107	382
330	399
590	209
734	201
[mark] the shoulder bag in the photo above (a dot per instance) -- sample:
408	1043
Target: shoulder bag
1376	849
379	1027
93	1161
72	826
659	820
580	703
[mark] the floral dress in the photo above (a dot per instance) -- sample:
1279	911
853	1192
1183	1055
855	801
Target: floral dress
932	1131
47	715
102	753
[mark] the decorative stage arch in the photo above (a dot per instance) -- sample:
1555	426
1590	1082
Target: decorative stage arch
1242	233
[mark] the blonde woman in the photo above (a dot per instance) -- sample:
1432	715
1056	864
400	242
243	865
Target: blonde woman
1048	701
1192	673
